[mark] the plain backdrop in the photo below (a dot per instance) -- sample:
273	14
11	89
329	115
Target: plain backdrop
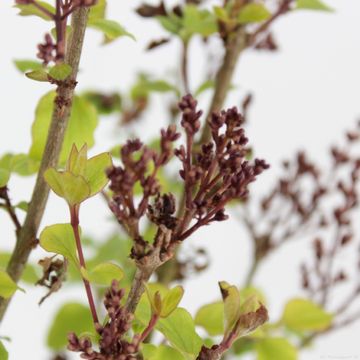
306	95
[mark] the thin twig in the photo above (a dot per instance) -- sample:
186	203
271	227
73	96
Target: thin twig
10	209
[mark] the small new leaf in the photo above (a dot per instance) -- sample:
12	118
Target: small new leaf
60	71
253	13
171	301
112	30
27	65
313	5
38	75
231	299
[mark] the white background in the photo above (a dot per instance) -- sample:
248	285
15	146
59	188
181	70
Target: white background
306	96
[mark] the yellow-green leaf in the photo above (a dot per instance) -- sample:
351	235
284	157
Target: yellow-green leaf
38	75
275	348
171	301
112	30
161	352
59	239
60	71
82	124
26	65
179	330
4	177
4	355
71	317
74	189
211	318
103	274
253	13
77	160
231	298
95	173
98	10
313	5
30	9
7	285
304	315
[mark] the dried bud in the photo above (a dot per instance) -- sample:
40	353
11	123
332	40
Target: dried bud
146	10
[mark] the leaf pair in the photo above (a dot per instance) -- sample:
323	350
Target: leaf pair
240	318
59	72
82	177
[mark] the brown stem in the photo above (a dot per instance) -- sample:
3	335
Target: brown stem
223	77
74	214
142	276
184	67
60	117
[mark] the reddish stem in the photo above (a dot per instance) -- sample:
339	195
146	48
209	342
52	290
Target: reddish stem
74	213
154	319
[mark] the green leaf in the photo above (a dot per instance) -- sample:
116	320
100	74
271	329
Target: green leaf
211	318
162	352
29	10
171	301
38	75
82	124
179	330
59	239
60	71
112	30
22	205
74	189
95	172
29	275
172	23
98	11
231	299
253	13
275	348
4	355
208	84
7	285
198	21
22	164
221	13
26	65
313	5
103	274
71	317
304	315
4	177
144	86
